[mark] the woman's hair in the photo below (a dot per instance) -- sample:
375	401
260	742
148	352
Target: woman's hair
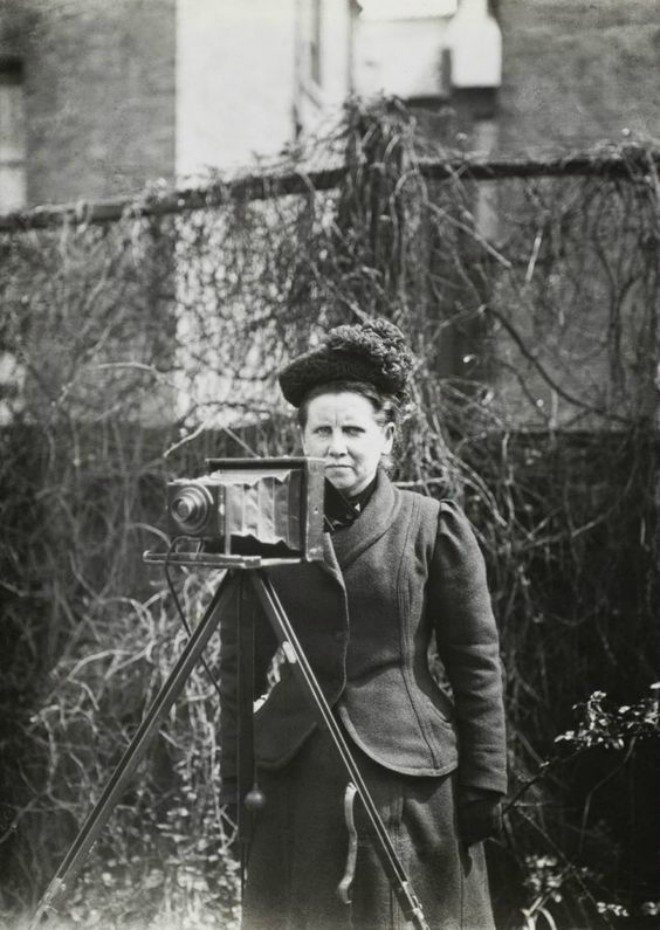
386	406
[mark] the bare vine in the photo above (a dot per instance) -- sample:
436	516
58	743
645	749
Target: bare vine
135	346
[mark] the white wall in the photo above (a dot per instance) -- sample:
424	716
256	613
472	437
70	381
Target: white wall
398	47
400	57
389	46
475	42
235	81
13	187
318	105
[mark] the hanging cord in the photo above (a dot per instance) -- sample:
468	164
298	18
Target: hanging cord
180	611
254	800
225	812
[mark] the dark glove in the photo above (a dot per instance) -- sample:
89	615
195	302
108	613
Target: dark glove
479	815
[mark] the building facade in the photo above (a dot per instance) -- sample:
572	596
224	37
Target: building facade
97	99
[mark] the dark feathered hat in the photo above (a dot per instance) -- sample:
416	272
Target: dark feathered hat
375	351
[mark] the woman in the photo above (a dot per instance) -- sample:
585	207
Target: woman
398	568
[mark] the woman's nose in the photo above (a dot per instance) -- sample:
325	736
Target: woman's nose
337	444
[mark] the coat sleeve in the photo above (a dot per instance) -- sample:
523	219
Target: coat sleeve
468	646
265	644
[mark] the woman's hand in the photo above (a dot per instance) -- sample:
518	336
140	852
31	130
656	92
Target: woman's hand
479	814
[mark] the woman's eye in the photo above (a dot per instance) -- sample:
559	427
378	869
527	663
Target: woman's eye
322	431
353	430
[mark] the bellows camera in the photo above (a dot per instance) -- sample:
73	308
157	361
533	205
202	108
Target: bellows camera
252	507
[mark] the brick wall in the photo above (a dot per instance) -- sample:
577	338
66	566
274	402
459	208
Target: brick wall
99	91
578	71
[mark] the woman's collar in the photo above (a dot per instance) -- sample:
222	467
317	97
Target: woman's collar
341	510
378	516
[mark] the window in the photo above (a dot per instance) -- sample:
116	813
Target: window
315	42
12	136
311	24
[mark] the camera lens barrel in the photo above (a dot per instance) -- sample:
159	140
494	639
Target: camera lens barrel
190	507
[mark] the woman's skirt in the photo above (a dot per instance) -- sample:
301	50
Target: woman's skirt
299	846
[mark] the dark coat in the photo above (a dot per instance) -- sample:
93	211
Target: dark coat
298	850
407	568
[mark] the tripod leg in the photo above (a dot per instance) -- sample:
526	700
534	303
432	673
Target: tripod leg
119	779
245	740
389	859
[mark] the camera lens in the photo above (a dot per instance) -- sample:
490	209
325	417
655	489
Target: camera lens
190	508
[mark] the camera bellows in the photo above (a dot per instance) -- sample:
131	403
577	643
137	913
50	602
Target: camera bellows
268	502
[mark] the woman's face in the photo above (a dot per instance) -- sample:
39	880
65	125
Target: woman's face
343	430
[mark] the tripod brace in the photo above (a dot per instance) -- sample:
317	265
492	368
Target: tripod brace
193	650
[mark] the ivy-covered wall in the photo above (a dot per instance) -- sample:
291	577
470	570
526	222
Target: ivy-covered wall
144	344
